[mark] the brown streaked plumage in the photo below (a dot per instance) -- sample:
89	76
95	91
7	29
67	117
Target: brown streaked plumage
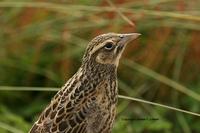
87	102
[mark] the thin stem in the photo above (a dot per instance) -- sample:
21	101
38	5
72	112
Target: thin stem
120	13
9	88
160	105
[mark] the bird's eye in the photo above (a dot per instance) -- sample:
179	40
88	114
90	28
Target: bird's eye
109	46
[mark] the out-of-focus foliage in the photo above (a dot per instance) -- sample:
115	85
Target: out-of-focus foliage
42	43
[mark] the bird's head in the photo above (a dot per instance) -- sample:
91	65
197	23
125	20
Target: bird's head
108	48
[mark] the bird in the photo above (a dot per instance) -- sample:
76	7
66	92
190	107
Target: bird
87	102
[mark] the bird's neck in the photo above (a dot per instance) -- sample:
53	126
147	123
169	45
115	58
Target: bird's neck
93	68
97	74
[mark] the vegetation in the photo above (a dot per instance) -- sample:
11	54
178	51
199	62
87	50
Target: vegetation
42	43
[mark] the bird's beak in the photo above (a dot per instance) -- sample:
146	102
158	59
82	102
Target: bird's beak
126	38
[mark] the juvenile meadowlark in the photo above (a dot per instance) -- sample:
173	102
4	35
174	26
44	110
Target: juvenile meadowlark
87	102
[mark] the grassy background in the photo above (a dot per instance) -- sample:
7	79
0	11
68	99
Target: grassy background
42	43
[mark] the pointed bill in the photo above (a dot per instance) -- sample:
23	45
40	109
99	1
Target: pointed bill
126	38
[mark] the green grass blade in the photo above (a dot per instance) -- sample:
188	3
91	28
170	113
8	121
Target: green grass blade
10	88
21	88
9	128
76	8
162	79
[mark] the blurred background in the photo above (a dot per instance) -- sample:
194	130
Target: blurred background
42	43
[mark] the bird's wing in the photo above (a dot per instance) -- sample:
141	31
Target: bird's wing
67	112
